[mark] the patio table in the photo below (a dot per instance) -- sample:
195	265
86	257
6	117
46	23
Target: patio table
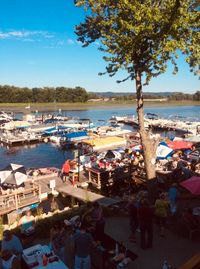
34	261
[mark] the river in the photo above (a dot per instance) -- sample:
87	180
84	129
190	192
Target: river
43	155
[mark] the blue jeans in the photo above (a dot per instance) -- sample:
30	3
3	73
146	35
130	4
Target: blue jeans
82	263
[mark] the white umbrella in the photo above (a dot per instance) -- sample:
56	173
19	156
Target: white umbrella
13	174
163	151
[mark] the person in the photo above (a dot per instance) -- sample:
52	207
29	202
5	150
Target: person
133	217
9	260
98	218
161	212
83	243
27	223
88	219
65	171
57	239
173	194
69	245
1	263
11	242
53	203
145	217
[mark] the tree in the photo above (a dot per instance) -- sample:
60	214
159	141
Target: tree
141	37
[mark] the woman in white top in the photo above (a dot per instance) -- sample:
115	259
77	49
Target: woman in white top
27	223
9	260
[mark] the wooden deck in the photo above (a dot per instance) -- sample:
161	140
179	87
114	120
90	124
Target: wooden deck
36	189
86	196
19	199
13	140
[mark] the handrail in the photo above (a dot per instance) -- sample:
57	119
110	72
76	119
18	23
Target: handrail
193	263
15	192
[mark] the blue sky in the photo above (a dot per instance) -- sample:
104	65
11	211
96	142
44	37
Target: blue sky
38	47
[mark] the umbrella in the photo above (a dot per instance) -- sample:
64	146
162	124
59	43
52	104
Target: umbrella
110	154
13	174
137	148
192	184
163	152
179	144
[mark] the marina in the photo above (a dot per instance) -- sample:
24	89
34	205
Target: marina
105	159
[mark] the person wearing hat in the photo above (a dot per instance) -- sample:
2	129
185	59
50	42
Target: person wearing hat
11	242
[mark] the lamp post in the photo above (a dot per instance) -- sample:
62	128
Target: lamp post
79	153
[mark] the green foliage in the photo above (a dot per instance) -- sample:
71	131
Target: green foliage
11	94
143	35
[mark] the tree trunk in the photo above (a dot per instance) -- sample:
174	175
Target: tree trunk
148	145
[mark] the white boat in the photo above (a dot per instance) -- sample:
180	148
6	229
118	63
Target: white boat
77	124
11	125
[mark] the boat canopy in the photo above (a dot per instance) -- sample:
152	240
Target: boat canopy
75	135
98	143
56	129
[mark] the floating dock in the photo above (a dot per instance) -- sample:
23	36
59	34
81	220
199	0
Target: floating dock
14	140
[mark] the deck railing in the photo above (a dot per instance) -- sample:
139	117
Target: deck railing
19	198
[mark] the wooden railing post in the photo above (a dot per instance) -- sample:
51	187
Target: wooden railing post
16	201
40	191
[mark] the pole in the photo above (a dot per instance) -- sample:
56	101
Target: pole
79	164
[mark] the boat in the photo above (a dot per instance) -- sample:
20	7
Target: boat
76	123
69	140
111	131
15	124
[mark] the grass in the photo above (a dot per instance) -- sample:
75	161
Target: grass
20	107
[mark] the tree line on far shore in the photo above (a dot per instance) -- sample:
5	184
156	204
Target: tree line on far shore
178	96
13	94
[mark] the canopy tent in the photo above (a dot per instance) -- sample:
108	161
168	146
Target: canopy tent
192	185
179	144
163	151
13	175
105	142
110	154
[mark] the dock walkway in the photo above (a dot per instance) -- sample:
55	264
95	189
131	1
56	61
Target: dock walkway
86	196
37	189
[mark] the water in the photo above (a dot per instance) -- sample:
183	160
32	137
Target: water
44	155
105	114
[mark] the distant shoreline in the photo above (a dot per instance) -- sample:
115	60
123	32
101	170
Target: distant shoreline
20	107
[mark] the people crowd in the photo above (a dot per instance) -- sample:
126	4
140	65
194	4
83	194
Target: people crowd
71	240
